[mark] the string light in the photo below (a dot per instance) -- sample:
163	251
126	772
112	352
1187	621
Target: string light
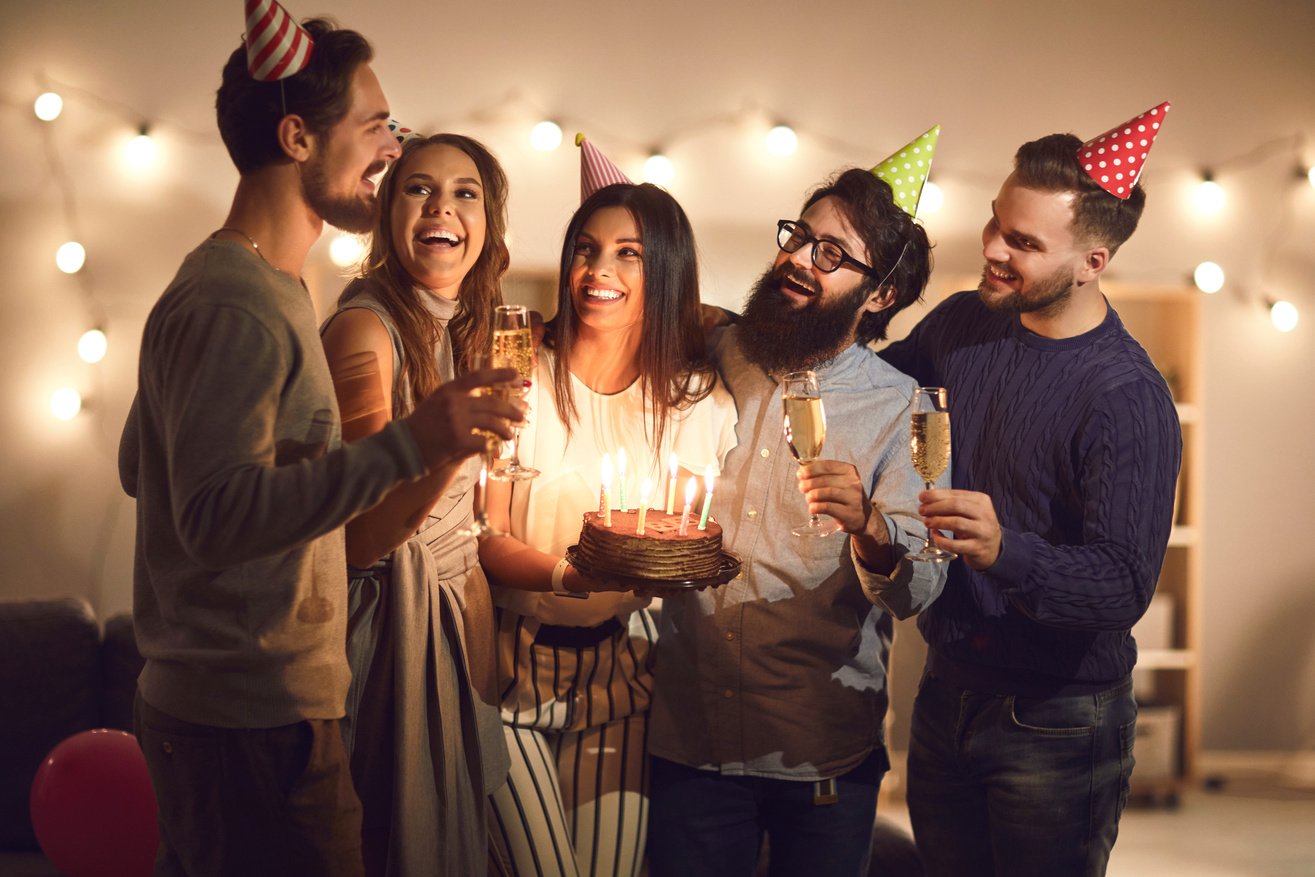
346	250
1209	197
1283	314
65	403
93	345
139	152
1208	277
658	169
70	257
48	106
546	136
782	140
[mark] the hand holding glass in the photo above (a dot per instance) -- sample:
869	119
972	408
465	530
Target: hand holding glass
479	526
805	431
929	445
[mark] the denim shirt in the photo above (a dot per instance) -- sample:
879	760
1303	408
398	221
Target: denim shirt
782	672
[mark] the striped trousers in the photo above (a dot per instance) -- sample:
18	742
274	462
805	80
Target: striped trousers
575	714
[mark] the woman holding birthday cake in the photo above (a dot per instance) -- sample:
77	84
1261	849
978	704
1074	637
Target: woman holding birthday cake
623	376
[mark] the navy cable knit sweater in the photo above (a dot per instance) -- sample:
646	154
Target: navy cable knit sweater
1077	442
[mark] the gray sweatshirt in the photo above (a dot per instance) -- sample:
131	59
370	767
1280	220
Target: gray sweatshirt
234	451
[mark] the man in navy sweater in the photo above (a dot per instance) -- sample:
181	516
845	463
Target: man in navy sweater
1066	449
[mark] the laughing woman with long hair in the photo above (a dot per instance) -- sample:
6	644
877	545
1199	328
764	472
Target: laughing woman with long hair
422	729
623	367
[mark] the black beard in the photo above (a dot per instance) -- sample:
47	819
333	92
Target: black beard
779	339
350	213
1048	297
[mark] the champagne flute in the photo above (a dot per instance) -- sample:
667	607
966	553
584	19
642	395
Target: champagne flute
480	527
513	347
929	445
805	430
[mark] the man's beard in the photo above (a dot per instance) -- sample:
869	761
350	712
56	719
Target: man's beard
779	338
350	212
1048	297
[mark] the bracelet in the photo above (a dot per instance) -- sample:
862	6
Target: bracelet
558	574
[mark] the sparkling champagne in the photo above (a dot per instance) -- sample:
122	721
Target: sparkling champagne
805	426
514	348
929	443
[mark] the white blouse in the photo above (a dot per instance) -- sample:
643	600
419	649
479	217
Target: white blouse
547	511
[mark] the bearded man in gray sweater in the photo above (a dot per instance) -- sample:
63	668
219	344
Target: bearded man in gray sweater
233	450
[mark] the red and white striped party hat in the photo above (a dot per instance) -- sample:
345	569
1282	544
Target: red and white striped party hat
277	46
596	170
1116	158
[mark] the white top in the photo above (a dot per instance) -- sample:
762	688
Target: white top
547	511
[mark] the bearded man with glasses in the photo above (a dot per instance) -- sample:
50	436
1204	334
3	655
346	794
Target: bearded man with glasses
771	690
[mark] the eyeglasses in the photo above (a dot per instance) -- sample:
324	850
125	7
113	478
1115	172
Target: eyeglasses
827	256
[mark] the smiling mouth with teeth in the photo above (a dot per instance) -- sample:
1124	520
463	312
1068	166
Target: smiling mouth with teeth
601	294
1000	273
439	236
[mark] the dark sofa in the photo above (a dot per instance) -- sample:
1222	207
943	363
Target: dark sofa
60	673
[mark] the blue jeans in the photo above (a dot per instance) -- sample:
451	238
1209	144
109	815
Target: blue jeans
1018	786
704	823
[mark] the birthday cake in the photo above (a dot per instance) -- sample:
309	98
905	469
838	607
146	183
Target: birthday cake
661	554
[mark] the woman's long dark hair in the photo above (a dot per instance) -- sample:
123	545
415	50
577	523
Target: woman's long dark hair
674	370
481	289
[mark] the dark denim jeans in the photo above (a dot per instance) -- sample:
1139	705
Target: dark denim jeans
703	823
1018	786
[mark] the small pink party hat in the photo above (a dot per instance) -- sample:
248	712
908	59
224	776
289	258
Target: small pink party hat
1116	158
596	170
277	46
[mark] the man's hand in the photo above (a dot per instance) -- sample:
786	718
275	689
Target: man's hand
971	517
444	425
834	488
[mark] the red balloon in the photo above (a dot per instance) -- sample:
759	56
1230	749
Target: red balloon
93	809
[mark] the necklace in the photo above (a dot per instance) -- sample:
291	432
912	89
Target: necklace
255	246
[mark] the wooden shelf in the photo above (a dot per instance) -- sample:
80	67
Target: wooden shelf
1167	323
1165	659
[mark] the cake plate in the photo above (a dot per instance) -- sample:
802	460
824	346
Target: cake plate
730	568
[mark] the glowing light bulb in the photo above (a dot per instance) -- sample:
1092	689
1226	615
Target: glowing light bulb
1209	197
93	345
346	250
1283	314
139	152
70	257
782	140
48	106
932	198
659	170
65	403
1208	277
546	136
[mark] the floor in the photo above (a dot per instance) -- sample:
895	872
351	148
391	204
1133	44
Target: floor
1250	826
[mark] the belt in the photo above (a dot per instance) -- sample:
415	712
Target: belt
576	637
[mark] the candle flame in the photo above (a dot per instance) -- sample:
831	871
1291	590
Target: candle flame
672	464
645	490
691	487
607	471
709	476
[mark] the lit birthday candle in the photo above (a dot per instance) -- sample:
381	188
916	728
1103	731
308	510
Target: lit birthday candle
645	490
621	480
672	466
708	477
607	491
691	487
